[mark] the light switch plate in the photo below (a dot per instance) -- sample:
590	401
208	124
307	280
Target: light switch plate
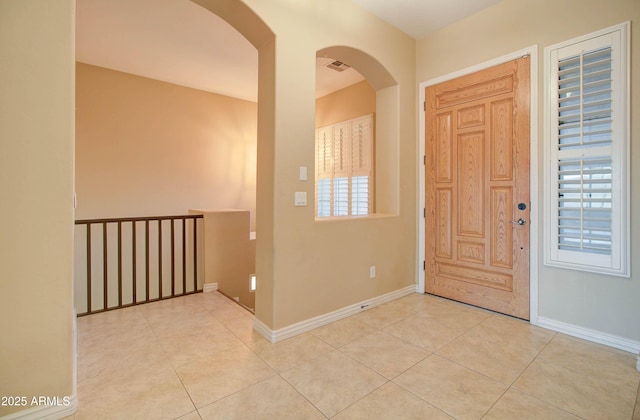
303	173
301	198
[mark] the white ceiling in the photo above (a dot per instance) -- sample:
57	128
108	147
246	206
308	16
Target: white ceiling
419	18
175	41
180	42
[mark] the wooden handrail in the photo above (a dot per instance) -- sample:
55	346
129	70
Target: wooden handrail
137	219
132	287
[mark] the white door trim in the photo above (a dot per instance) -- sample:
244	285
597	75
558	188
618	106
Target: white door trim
532	51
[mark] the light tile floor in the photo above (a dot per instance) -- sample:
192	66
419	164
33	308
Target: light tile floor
418	357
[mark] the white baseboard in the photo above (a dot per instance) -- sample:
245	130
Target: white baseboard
209	287
262	329
275	336
610	340
47	412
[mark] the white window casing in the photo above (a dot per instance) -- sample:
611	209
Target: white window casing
587	152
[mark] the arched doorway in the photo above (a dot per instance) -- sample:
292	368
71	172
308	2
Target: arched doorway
251	27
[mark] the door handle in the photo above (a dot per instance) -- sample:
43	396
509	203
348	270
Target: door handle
520	222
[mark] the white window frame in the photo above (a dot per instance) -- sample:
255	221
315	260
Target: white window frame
355	162
618	263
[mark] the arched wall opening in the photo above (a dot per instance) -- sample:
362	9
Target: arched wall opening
386	123
166	111
252	27
152	142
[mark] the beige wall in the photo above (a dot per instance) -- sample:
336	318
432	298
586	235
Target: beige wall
36	212
149	148
304	268
307	268
351	102
320	267
229	253
597	302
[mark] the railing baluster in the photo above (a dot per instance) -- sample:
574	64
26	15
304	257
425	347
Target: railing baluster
119	263
159	259
105	264
184	255
146	256
195	255
133	260
89	268
173	258
134	257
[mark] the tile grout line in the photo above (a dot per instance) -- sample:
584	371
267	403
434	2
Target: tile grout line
333	349
418	396
369	368
148	315
301	394
554	335
338	349
173	367
481	374
277	373
381	330
209	313
510	387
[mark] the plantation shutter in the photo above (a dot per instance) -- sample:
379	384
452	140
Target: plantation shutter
341	168
324	168
344	168
587	168
584	152
361	165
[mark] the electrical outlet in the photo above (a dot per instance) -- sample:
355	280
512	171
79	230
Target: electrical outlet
372	271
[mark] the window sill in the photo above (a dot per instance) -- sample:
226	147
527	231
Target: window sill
624	271
355	218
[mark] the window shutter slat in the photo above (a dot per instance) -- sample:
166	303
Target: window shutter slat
584	205
360	195
344	154
586	173
584	184
324	197
342	150
341	196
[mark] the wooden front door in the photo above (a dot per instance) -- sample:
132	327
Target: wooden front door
477	188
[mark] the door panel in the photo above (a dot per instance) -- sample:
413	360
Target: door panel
470	185
477	146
